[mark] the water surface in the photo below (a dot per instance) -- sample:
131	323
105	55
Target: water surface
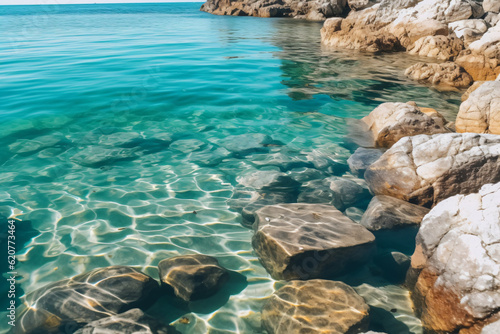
114	122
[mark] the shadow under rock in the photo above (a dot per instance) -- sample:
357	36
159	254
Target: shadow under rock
384	321
169	308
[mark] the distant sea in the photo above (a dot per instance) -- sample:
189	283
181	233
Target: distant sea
114	128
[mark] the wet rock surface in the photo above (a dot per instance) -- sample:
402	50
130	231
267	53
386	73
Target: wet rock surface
390	122
386	212
480	113
315	306
458	258
87	297
305	241
427	169
192	277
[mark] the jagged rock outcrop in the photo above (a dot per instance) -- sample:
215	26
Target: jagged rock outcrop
306	241
480	113
427	169
458	263
395	25
315	306
482	59
440	47
491	6
192	277
390	122
85	298
468	30
347	34
316	10
444	75
472	88
361	4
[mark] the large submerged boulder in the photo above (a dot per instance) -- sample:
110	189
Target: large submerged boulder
458	257
192	277
427	169
480	113
306	241
315	306
390	122
87	297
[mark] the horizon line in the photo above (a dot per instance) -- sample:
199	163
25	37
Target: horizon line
101	3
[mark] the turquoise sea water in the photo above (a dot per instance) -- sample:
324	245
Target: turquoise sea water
115	122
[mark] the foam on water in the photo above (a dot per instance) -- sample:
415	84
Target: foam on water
114	126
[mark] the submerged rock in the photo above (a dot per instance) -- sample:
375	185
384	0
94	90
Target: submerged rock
446	74
427	169
315	306
337	191
361	159
192	277
97	156
386	212
480	113
305	241
130	322
87	297
390	122
268	181
458	255
440	47
246	143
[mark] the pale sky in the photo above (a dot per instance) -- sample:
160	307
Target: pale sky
62	2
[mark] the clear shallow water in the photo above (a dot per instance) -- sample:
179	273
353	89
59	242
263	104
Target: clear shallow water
113	127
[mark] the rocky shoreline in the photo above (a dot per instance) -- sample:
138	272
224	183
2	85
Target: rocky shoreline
411	169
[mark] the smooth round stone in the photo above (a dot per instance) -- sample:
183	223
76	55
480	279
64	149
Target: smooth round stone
315	306
192	277
87	297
